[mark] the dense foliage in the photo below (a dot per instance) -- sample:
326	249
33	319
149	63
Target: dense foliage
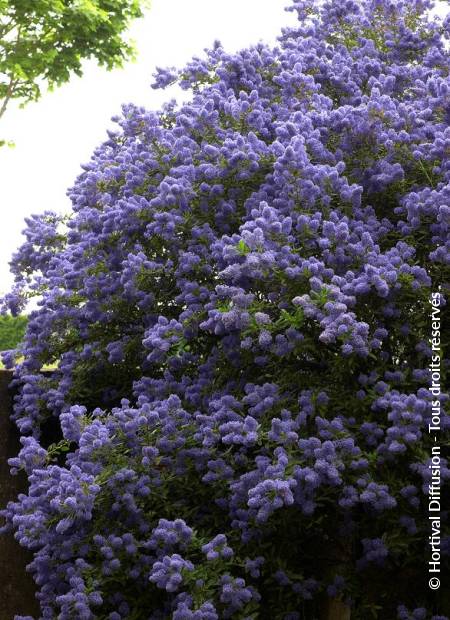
239	306
12	331
44	42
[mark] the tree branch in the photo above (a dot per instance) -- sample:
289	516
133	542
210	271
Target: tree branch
12	81
9	94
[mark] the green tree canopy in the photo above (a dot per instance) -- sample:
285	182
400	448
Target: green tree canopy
12	330
42	42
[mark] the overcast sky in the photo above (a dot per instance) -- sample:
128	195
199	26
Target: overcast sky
58	133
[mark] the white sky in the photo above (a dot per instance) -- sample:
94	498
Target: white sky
58	133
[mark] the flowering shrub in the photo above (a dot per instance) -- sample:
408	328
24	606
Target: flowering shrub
239	309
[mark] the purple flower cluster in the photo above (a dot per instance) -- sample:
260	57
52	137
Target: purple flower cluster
167	573
238	312
218	548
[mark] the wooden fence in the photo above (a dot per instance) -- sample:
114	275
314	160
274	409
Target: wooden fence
17	591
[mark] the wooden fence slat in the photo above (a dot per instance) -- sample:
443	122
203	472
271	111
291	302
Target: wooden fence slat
17	589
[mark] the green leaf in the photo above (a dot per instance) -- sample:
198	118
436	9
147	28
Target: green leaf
242	247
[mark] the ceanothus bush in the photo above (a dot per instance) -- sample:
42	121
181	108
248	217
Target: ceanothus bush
238	308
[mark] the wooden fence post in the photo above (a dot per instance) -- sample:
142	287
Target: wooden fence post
337	610
17	590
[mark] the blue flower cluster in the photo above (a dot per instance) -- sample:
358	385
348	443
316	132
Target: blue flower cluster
237	307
